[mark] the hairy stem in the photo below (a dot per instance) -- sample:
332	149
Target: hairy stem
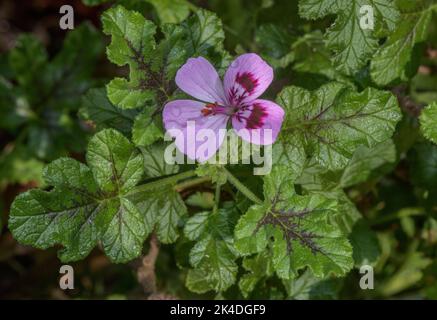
191	183
241	187
162	182
217	197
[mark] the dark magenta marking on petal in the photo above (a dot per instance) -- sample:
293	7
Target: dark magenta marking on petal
247	84
247	81
256	118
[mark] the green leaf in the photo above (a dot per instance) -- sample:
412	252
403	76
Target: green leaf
332	122
154	161
309	287
409	274
275	44
201	34
428	122
18	166
71	69
214	171
352	45
365	160
152	66
125	234
313	58
205	30
94	2
300	229
128	95
163	210
27	60
117	166
290	155
204	200
45	95
171	11
214	251
97	108
423	165
132	44
172	53
87	205
197	280
317	180
145	131
392	59
259	267
365	245
171	212
196	225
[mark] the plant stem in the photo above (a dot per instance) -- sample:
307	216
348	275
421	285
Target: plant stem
405	212
162	182
241	187
217	197
191	183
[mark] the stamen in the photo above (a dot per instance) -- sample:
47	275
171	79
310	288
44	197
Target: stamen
215	108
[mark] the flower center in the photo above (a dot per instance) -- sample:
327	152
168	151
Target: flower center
215	108
253	115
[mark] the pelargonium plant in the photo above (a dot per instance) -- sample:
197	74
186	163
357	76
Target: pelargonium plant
338	104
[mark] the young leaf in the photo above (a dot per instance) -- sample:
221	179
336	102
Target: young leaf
300	229
204	200
205	30
145	131
132	44
171	11
332	122
87	204
201	34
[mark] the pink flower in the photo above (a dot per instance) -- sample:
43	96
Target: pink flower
236	99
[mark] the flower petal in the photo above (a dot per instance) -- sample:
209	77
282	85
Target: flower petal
197	136
247	78
198	78
260	122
